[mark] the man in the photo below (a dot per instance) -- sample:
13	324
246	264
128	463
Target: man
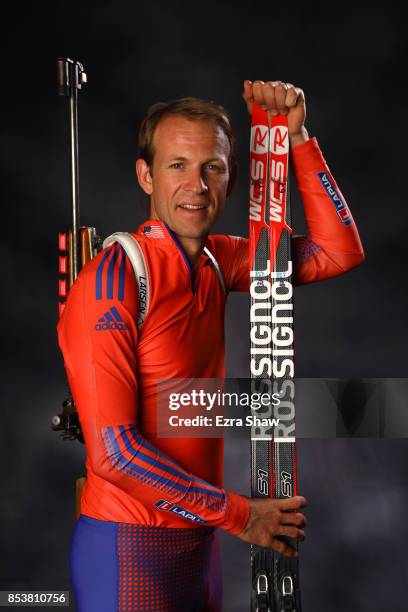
129	552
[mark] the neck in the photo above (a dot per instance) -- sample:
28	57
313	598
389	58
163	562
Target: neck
193	247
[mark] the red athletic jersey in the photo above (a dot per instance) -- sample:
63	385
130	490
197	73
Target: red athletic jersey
113	368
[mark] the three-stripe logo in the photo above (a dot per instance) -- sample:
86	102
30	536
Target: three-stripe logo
111	320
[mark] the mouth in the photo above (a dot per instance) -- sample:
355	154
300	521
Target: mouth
191	206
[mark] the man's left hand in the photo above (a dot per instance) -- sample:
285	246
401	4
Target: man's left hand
280	98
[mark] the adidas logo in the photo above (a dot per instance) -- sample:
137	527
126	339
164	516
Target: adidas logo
111	320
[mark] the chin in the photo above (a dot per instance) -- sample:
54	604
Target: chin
201	230
193	234
191	230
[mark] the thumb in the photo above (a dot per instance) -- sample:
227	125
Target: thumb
248	95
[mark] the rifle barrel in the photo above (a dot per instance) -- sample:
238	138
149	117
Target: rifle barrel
71	77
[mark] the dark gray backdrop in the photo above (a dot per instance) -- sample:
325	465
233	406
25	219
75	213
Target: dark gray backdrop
349	60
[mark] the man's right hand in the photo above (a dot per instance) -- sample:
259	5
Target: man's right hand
271	518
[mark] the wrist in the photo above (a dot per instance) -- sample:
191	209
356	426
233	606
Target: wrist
299	138
237	515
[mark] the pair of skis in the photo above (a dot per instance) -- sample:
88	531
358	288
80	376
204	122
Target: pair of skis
275	578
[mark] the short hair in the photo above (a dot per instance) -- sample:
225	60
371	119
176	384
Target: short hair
195	109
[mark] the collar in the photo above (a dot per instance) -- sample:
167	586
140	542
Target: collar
156	230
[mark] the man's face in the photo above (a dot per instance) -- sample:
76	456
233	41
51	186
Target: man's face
189	175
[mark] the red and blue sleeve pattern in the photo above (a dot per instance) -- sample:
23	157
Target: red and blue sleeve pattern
129	453
98	337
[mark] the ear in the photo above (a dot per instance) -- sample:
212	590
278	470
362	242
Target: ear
143	176
233	177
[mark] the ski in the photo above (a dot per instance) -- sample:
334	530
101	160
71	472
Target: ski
275	578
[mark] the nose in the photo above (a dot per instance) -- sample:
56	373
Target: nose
195	181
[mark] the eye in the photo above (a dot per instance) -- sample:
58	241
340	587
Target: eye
213	167
177	165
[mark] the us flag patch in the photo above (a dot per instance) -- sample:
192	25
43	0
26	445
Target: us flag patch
153	231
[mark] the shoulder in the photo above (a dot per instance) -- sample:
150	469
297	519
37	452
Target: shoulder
231	253
108	276
225	244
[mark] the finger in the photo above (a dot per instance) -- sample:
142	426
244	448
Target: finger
292	94
248	93
283	548
269	97
293	518
292	532
280	96
292	503
300	96
259	94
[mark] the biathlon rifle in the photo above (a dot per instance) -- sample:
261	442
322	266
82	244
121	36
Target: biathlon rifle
80	243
